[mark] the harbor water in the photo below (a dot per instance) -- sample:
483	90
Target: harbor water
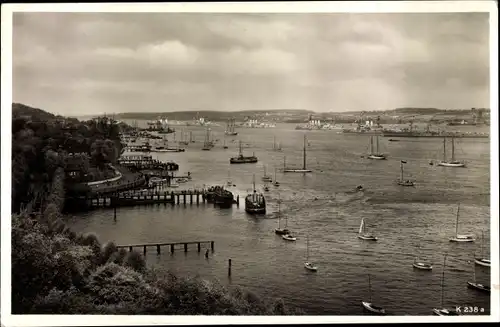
323	206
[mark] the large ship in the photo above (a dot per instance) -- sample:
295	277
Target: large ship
255	203
367	129
240	159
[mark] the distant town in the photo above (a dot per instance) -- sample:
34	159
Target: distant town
472	116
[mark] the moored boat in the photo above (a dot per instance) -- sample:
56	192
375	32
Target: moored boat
376	155
453	162
241	159
298	170
458	237
255	203
289	237
223	197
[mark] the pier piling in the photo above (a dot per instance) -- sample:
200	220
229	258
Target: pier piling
158	251
212	245
145	250
185	247
171	248
229	268
199	246
130	249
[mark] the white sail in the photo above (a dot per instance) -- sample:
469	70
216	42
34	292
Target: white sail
361	227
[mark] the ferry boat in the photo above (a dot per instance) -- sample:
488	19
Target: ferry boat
255	203
241	159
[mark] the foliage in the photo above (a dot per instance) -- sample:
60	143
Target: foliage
42	143
58	274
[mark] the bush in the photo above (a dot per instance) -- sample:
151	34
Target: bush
136	261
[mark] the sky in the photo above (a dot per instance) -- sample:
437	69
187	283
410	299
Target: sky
94	63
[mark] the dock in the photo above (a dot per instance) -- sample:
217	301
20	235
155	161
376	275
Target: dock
133	198
172	245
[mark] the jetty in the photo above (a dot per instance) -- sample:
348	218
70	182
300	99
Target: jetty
172	246
134	198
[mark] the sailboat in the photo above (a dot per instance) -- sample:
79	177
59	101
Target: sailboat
482	261
363	235
207	146
230	128
183	139
444	311
308	265
369	305
304	169
453	162
276	147
478	286
421	265
375	155
276	183
289	237
401	180
266	187
279	230
266	177
458	237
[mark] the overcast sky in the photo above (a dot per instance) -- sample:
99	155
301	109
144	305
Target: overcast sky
89	63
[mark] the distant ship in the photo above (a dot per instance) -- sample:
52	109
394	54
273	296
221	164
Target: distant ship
388	133
230	128
240	159
208	144
255	203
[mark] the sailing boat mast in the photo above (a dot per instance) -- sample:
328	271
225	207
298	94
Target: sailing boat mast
371	144
370	287
241	152
402	170
307	257
442	281
279	212
377	145
456	225
304	164
482	244
444	149
452	149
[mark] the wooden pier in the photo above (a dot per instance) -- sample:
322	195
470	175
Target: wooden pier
172	245
133	198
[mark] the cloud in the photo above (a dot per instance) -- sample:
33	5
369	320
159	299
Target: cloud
116	62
